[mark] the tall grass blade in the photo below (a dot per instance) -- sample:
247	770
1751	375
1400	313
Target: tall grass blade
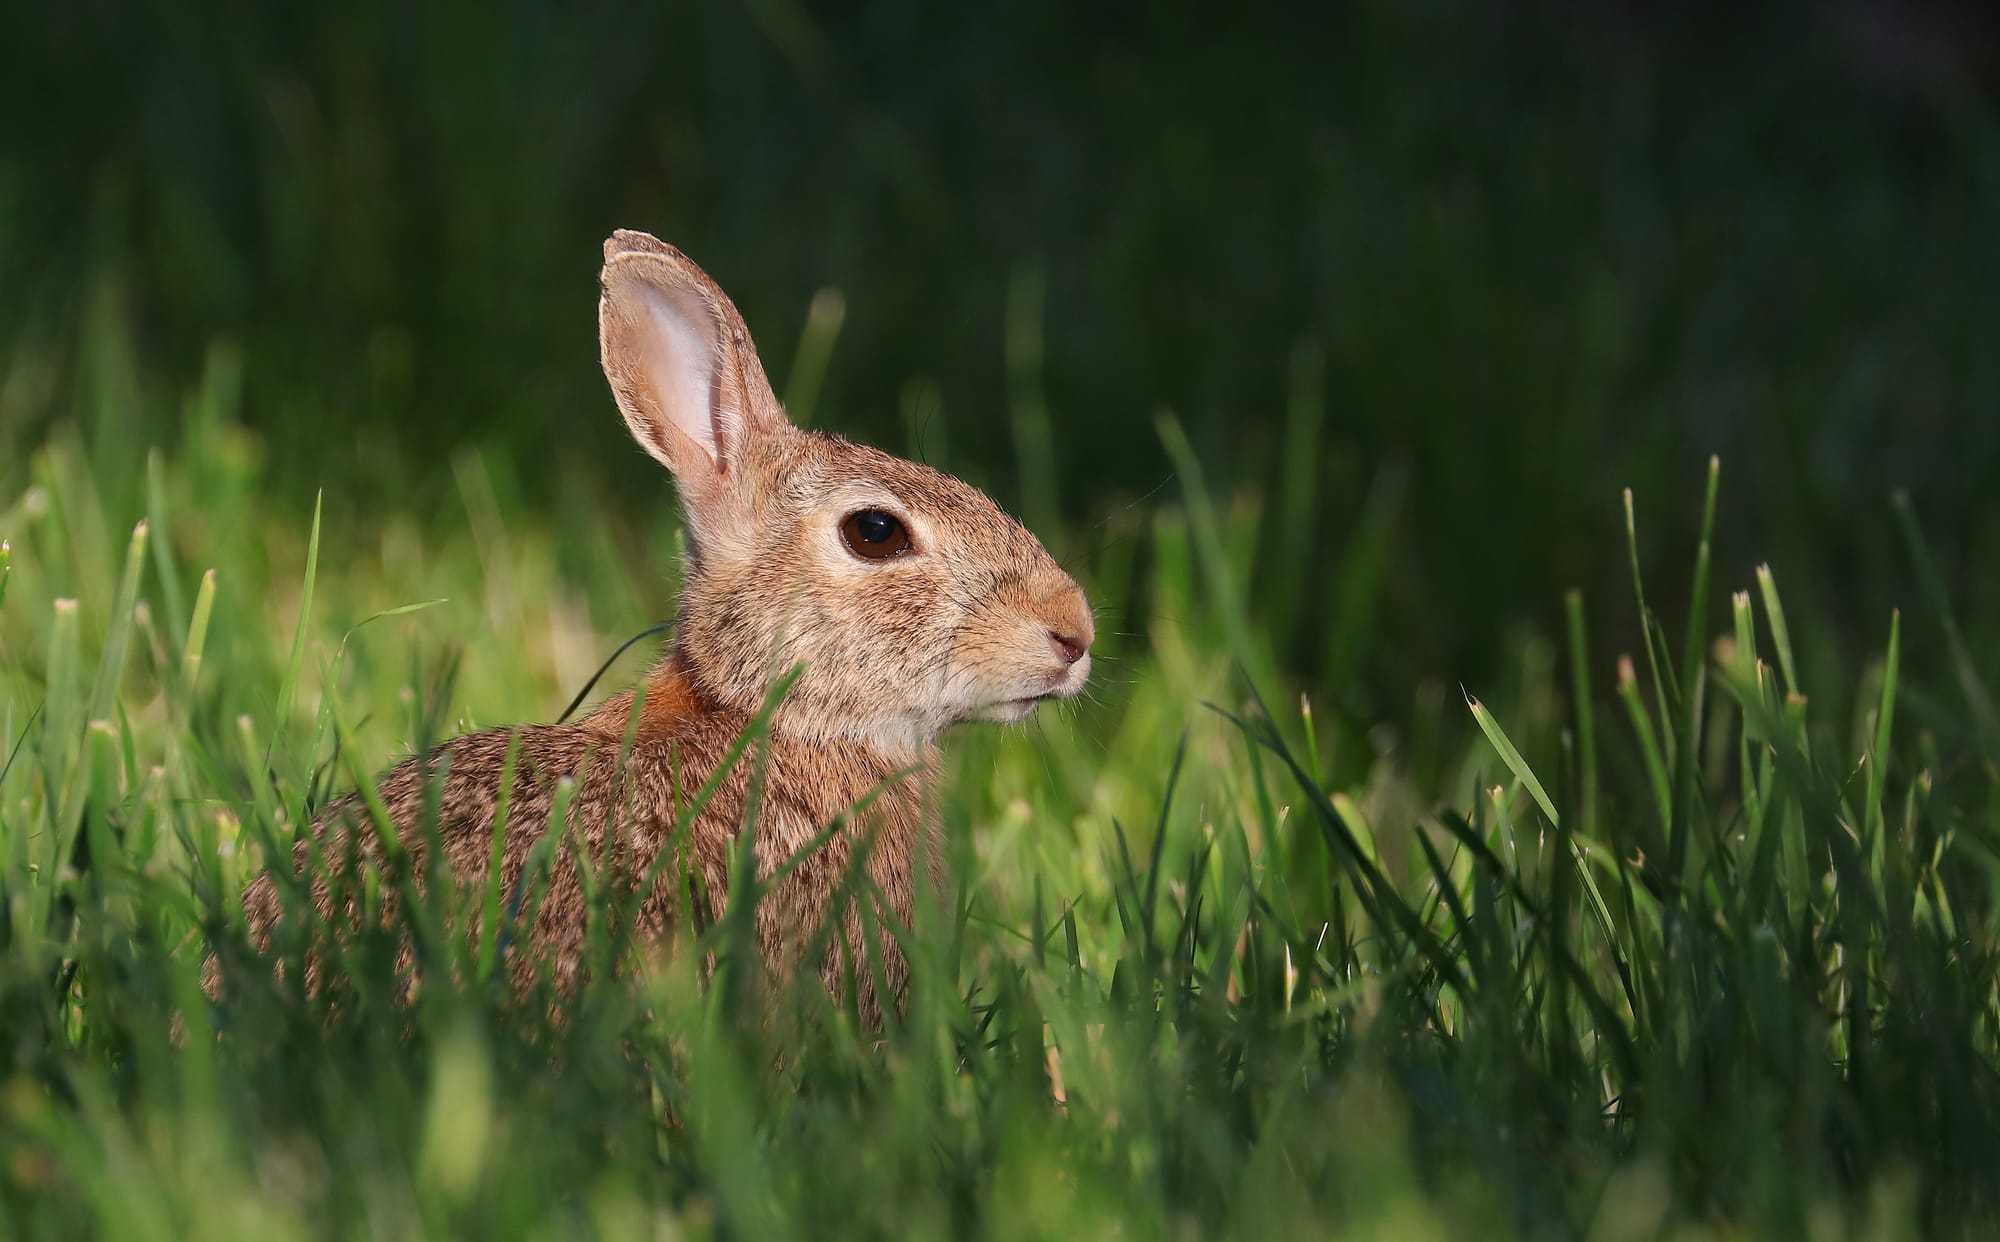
165	569
1649	627
1526	775
111	666
288	688
1584	705
1781	634
824	315
1885	716
1512	757
63	713
1207	531
1693	678
197	634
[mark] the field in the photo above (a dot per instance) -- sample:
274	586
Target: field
1493	816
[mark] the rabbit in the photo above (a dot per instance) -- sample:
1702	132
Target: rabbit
905	601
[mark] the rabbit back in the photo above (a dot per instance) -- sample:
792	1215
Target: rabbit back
623	815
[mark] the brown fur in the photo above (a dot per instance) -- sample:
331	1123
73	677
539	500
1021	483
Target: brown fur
976	621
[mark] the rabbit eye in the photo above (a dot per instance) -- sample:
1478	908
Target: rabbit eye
875	535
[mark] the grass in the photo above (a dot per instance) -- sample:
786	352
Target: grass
1702	947
1383	888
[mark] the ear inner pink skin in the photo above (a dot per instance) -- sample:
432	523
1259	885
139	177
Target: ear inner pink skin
972	621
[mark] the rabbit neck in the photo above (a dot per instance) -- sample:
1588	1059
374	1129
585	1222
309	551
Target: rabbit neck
677	701
687	682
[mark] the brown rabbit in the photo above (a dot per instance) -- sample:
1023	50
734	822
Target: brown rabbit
906	599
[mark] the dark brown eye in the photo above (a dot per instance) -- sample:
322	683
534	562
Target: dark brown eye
875	535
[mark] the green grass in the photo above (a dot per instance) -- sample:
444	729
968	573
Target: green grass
1688	941
1384	887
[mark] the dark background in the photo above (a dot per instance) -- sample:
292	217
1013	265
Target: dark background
1545	251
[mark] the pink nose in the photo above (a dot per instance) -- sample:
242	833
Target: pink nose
1067	649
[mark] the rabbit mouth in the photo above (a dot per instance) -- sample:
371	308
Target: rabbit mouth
1031	702
1010	711
1067	683
1007	711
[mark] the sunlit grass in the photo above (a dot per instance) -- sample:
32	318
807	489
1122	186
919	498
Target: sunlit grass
1221	956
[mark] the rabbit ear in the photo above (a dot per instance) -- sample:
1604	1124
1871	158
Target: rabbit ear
684	371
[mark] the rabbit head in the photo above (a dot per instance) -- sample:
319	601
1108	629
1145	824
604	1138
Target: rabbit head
908	599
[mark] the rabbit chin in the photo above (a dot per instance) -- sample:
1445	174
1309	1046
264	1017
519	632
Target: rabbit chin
1010	711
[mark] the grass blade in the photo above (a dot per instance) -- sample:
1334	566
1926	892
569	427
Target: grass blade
824	315
1781	635
1208	537
62	723
165	570
197	634
1648	624
1512	758
1693	678
289	687
1585	708
111	665
1885	715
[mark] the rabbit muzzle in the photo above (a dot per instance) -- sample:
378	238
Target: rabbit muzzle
1045	654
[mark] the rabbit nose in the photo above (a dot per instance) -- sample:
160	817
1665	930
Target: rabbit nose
1065	616
1068	649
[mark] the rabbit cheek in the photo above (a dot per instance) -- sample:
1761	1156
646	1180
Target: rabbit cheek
988	679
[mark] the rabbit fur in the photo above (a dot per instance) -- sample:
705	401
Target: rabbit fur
974	620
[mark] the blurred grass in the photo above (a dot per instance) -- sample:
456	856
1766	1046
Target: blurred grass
1320	345
1539	255
1212	963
